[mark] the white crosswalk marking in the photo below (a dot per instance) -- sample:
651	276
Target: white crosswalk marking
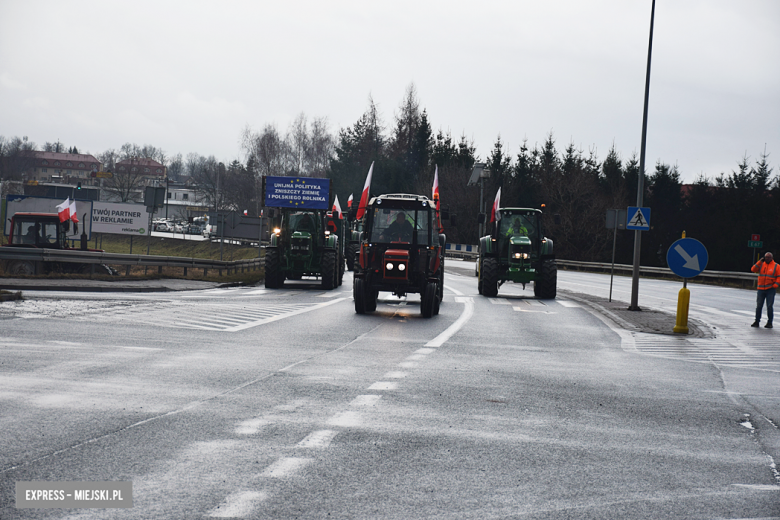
222	316
725	351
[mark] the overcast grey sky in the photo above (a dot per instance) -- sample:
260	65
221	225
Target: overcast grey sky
189	76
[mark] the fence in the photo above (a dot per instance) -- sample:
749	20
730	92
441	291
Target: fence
95	257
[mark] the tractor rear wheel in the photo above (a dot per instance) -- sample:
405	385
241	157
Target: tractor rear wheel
273	276
328	270
428	302
359	295
477	269
21	267
351	256
488	276
545	285
440	285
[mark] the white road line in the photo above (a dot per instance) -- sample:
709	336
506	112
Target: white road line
408	364
238	505
365	400
346	420
568	303
318	439
384	385
285	467
465	316
499	301
415	357
520	309
424	350
394	375
250	427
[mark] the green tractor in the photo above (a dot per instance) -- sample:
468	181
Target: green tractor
335	224
301	245
517	251
353	244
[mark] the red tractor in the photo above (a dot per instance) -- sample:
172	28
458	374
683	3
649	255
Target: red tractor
401	251
45	231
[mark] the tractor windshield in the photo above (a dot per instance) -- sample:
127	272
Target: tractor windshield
32	232
518	225
401	226
302	222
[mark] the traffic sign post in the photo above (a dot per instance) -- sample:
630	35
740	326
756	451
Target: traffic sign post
755	243
687	258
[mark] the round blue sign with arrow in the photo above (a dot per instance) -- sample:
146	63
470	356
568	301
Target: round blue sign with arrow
687	257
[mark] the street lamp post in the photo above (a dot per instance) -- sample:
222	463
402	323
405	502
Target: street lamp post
478	175
641	177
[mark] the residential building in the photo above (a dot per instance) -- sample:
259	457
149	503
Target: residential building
68	168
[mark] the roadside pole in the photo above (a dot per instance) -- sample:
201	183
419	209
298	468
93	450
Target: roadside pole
641	180
687	258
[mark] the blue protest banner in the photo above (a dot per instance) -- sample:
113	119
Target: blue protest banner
297	192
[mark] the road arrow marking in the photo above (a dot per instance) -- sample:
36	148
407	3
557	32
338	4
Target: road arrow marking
690	263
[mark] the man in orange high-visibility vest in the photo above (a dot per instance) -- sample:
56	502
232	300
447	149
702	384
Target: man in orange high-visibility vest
767	287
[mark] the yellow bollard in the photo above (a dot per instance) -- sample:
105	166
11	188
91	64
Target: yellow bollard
683	300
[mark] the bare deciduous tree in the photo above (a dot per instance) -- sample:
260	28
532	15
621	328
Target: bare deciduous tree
125	183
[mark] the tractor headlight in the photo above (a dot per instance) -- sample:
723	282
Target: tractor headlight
402	267
327	233
277	231
389	266
523	256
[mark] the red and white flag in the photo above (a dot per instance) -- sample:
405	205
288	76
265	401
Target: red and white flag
364	197
436	187
73	212
63	210
337	207
494	214
349	201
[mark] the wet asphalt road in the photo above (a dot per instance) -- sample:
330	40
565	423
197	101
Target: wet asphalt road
250	403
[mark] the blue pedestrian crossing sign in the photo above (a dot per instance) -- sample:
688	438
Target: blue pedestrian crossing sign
638	218
687	257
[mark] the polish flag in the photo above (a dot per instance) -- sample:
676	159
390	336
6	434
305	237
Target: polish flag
73	212
436	187
364	197
349	201
337	207
63	210
494	214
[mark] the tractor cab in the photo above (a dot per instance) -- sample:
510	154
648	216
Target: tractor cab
40	230
516	236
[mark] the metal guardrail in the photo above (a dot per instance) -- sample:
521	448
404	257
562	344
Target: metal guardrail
96	257
746	279
464	251
742	279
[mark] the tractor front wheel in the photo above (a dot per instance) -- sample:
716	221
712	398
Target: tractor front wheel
329	270
488	276
428	303
359	295
273	276
545	285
